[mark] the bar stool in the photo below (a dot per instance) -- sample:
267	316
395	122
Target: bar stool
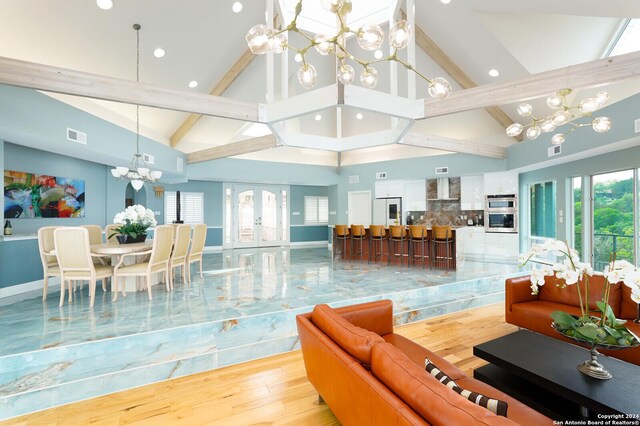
341	234
442	235
398	234
357	234
377	234
419	237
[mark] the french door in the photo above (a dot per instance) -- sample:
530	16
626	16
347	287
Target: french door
255	216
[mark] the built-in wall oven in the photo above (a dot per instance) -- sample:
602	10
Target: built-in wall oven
501	213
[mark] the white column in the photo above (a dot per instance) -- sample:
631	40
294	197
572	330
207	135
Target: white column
411	50
270	59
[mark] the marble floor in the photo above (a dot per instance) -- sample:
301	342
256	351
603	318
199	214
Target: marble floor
243	308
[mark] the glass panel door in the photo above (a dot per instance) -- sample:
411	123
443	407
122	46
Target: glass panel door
613	222
246	235
269	228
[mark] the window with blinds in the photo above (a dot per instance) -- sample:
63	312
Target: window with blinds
191	207
316	210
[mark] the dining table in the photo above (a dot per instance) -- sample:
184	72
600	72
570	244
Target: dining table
116	251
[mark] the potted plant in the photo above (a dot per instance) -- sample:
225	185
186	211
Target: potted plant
595	329
134	222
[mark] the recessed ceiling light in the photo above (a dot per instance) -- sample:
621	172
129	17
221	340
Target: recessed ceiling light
298	58
105	4
359	116
193	84
378	54
159	52
318	117
445	1
494	73
237	7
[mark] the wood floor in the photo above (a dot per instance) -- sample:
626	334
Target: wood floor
272	391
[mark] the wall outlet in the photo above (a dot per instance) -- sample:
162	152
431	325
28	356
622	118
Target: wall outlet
295	213
354	179
637	125
381	175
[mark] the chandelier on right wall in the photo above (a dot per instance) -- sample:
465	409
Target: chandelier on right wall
565	114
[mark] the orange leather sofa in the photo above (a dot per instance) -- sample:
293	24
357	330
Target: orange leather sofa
368	375
532	311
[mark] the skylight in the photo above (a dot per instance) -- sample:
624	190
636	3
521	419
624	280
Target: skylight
256	130
627	40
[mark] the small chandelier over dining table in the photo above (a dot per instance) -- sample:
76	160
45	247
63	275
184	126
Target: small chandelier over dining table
137	172
370	37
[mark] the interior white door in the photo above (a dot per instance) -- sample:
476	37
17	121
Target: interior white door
259	216
359	208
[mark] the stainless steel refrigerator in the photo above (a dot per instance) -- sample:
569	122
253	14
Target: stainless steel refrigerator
387	210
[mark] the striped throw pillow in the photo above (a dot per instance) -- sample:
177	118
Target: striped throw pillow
494	405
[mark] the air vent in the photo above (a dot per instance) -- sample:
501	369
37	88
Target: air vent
554	150
76	136
442	170
381	175
354	179
180	165
149	159
637	122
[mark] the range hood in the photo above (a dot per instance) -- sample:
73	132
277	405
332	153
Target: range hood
442	190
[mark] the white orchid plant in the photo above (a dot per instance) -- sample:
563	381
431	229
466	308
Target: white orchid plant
134	221
606	329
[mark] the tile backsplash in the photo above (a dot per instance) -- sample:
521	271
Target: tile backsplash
449	215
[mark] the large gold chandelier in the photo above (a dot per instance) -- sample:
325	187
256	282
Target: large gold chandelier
262	39
564	114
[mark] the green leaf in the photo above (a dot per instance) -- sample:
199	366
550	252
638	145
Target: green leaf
564	319
611	318
590	333
613	332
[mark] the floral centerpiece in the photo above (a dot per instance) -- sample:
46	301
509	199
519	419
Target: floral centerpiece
134	222
596	329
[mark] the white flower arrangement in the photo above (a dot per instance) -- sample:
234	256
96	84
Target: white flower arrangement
570	271
134	220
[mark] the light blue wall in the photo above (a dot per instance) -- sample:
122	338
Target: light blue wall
297	194
19	262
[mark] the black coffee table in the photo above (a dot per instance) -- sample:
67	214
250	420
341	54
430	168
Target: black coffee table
542	373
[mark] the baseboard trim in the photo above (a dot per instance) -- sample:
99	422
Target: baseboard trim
18	292
304	244
212	249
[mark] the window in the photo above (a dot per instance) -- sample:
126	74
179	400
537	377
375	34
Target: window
576	189
316	210
191	207
542	204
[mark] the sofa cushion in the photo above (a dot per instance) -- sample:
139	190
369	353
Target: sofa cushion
496	406
434	402
417	354
356	341
569	295
628	308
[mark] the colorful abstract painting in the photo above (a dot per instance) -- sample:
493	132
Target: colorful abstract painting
28	195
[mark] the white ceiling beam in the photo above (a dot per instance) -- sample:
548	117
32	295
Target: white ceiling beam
232	149
60	80
454	145
589	74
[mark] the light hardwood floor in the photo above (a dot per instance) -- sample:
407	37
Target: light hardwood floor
271	391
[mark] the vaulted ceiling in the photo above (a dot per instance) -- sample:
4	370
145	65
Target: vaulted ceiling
204	41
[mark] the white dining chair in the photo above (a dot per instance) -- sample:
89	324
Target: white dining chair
75	260
180	251
197	247
50	266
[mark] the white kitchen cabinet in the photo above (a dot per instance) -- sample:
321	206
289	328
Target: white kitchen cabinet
470	243
415	195
501	246
389	188
501	183
472	192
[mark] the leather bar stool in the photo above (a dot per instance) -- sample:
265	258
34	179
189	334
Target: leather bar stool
377	235
357	236
397	235
442	239
419	239
341	236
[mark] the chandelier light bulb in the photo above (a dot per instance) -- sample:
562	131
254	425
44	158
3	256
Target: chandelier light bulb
561	117
557	139
370	37
547	126
514	130
602	98
277	42
601	124
369	77
400	35
307	76
346	74
555	101
533	132
137	184
524	110
378	54
258	39
115	173
322	44
155	174
337	6
589	105
439	88
297	58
